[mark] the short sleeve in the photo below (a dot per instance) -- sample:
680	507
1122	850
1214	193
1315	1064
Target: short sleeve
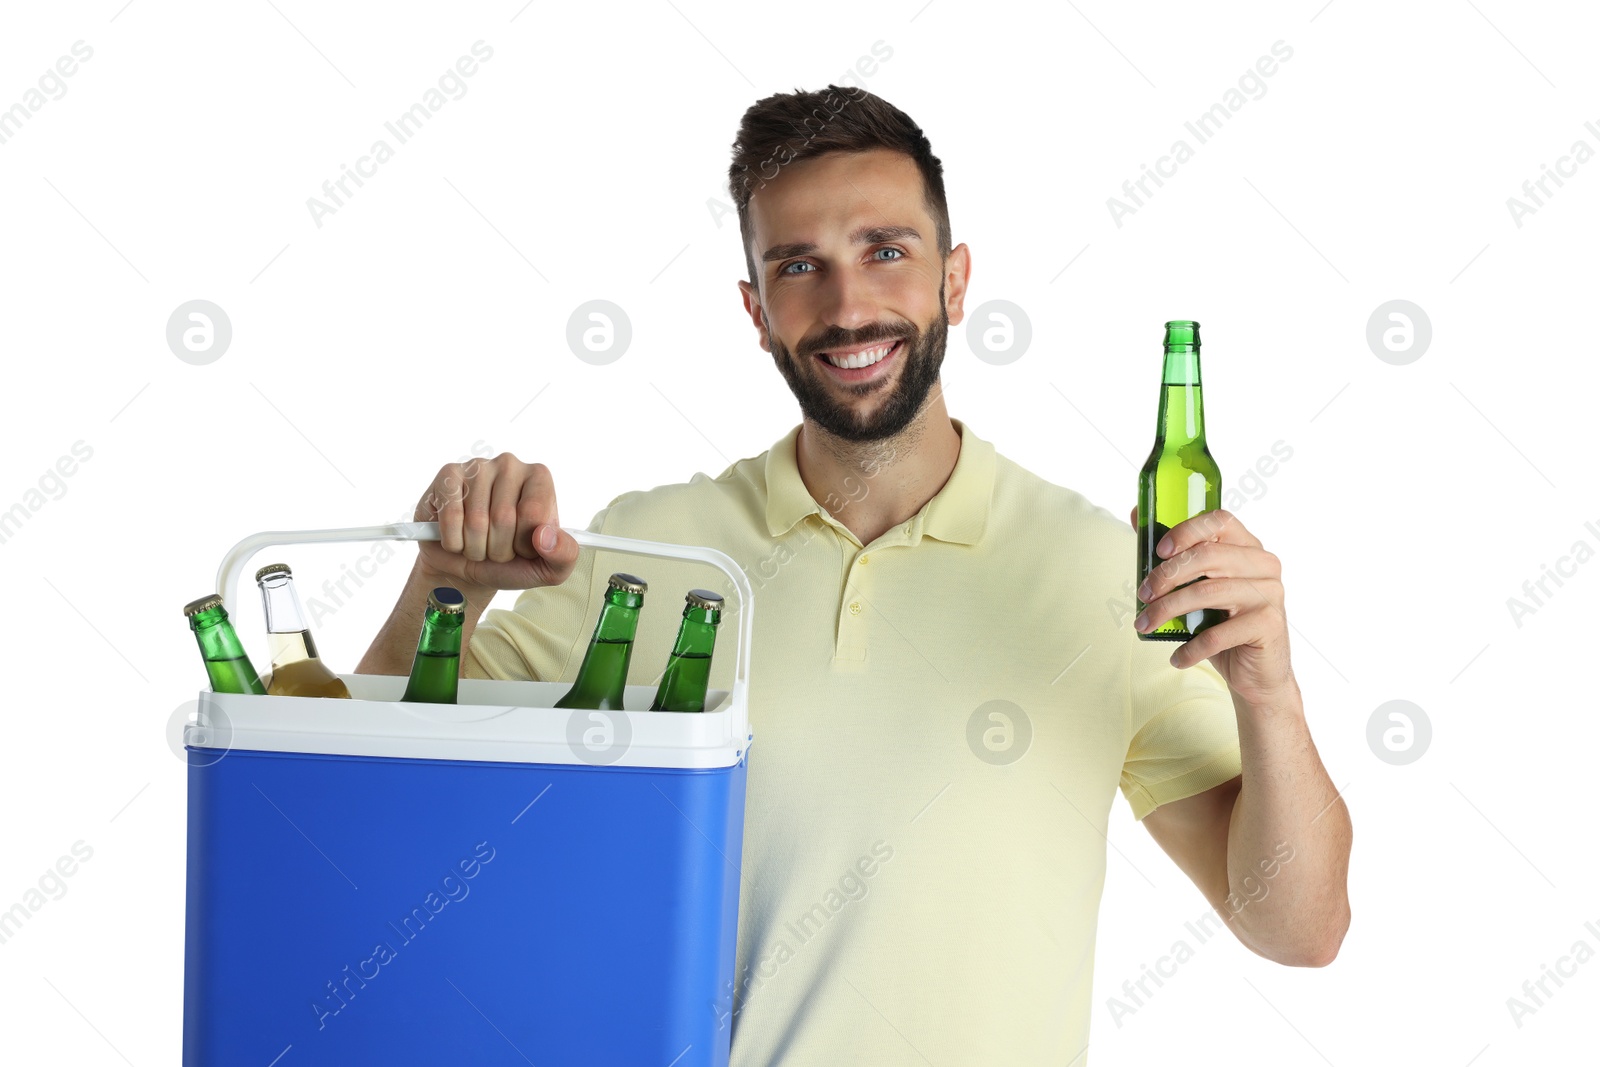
1183	728
535	640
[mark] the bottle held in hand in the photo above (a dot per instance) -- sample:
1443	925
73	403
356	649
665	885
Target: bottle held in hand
1180	479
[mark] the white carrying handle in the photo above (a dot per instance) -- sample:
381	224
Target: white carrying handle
233	565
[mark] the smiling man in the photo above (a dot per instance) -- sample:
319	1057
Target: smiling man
943	707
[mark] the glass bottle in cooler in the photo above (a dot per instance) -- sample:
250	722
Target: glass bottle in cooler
227	664
436	671
683	684
604	671
296	669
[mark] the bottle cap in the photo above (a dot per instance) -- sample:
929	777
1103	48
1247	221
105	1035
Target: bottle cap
704	598
205	603
1182	332
446	599
630	583
273	568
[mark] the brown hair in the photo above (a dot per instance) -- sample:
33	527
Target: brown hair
801	125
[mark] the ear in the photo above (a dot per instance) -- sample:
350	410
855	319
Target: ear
957	269
752	307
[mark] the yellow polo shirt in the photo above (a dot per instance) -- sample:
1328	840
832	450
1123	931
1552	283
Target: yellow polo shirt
941	719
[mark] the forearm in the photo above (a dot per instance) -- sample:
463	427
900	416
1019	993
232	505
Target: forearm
1288	840
395	646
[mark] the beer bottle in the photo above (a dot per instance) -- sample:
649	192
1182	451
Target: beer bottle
230	669
296	670
437	668
683	685
1180	479
605	665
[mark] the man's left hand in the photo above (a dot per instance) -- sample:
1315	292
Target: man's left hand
1231	572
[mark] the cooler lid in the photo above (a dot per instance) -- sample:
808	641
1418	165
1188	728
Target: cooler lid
494	721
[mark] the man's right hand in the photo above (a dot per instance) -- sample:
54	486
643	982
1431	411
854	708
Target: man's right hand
498	527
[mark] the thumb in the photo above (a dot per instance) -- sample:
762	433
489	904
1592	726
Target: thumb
556	546
1133	516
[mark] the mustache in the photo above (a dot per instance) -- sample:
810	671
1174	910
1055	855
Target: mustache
831	340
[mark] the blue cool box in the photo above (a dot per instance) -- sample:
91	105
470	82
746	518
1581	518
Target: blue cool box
495	881
356	909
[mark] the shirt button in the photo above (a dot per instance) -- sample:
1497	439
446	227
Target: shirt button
855	608
862	561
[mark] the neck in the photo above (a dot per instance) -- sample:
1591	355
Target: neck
873	486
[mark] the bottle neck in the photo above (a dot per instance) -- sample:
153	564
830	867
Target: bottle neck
441	633
216	635
697	635
619	618
282	604
1181	419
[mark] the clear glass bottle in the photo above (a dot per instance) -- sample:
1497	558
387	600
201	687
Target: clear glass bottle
296	669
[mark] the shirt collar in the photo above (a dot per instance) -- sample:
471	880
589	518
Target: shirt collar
958	512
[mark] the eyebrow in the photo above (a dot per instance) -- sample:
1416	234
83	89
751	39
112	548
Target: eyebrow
866	235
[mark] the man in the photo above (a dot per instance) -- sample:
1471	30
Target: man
943	706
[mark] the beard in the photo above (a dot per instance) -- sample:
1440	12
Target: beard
920	357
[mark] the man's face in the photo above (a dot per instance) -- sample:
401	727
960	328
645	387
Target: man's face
848	259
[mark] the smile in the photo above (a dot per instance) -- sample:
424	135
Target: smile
861	363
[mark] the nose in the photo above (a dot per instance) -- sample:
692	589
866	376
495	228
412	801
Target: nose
849	300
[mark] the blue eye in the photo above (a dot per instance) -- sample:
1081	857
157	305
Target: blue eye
898	254
796	263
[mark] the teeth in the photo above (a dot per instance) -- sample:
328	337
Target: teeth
865	358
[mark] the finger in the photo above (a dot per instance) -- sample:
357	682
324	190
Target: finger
1133	516
1209	559
1230	633
560	560
442	503
478	493
1236	596
536	506
1216	525
503	519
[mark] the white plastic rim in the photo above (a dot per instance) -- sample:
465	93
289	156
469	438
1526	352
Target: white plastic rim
239	556
493	722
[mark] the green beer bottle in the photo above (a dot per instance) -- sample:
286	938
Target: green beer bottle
683	684
230	669
1180	479
437	668
605	665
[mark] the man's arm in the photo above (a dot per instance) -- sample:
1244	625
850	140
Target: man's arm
1269	849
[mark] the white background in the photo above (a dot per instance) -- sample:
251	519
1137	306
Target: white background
587	160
